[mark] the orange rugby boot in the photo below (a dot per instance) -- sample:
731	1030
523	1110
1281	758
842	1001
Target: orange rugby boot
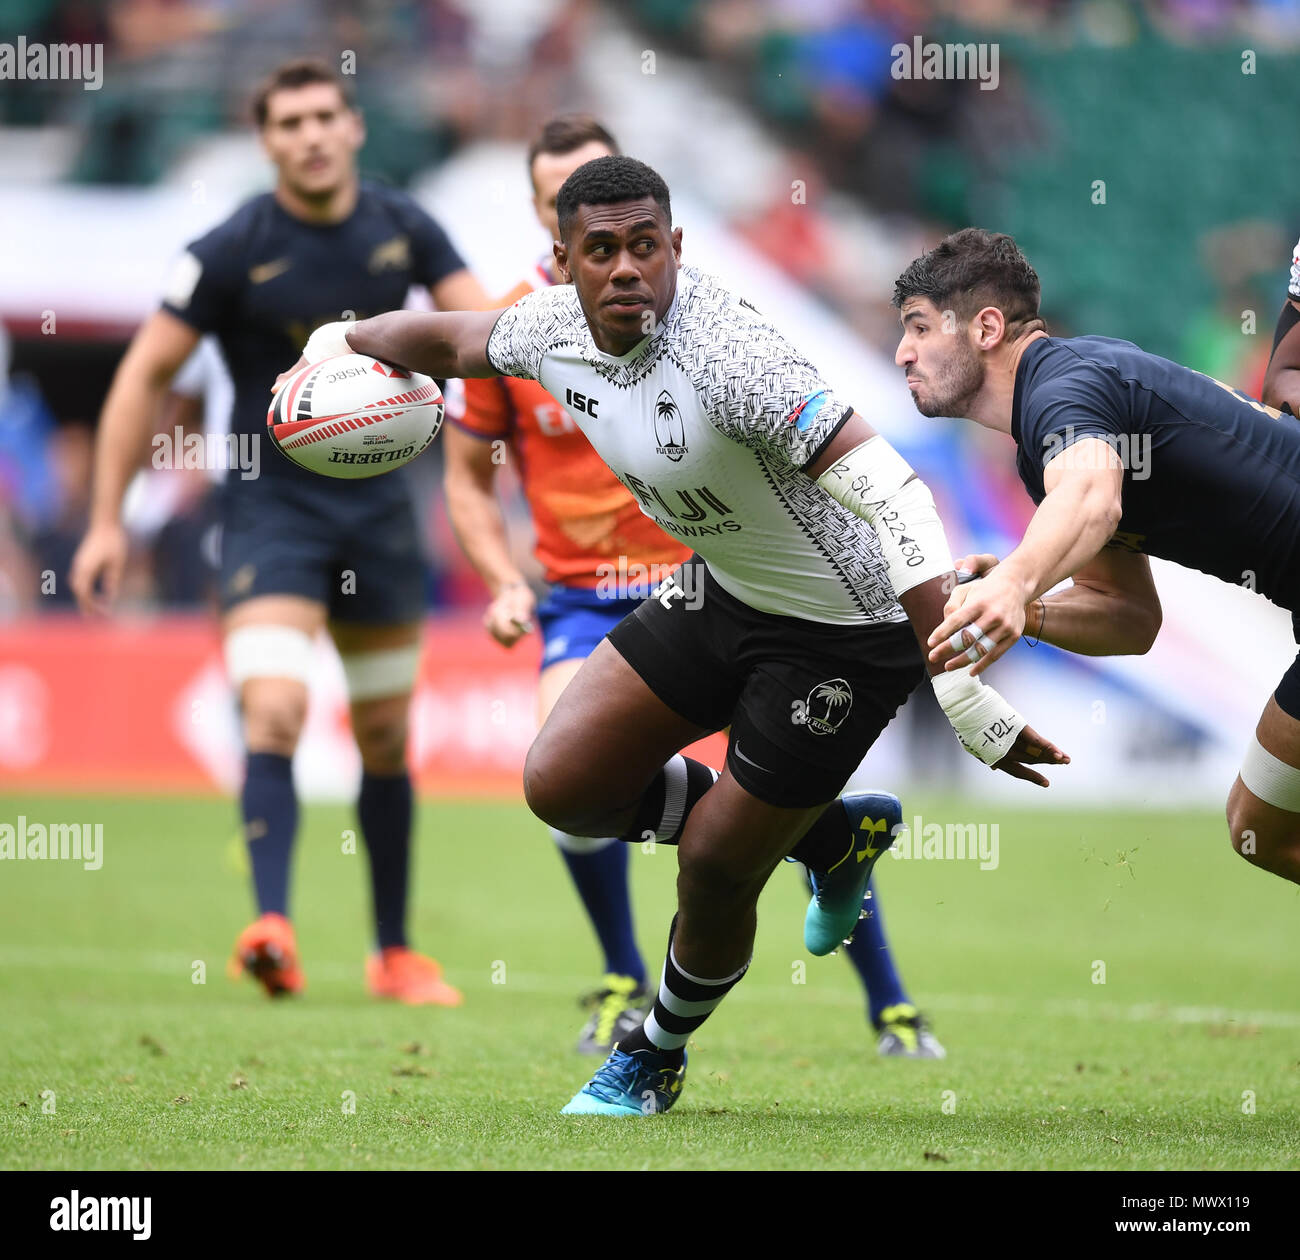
267	950
401	973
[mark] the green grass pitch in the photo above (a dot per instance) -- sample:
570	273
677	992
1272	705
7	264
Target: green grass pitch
112	1057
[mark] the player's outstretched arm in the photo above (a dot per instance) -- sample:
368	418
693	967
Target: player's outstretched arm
437	343
1077	517
1282	380
130	411
863	472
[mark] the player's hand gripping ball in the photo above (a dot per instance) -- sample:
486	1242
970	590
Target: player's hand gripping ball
352	416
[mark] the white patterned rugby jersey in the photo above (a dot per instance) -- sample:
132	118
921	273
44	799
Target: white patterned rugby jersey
708	421
1294	287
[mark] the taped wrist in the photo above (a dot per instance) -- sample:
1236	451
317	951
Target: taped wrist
876	483
985	723
327	341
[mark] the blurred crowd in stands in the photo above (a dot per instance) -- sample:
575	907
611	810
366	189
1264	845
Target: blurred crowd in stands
176	69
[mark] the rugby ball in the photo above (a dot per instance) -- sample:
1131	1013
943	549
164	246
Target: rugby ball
351	416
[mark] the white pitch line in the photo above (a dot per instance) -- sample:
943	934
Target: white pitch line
137	962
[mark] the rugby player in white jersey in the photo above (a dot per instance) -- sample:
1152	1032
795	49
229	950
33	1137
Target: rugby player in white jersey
786	627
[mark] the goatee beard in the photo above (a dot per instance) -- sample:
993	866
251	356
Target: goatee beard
963	380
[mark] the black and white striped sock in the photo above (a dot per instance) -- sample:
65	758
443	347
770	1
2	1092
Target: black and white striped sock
677	789
668	801
683	1003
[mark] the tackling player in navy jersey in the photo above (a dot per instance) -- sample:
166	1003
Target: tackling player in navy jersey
298	552
1127	455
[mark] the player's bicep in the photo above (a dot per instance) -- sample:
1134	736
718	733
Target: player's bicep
1122	574
1088	464
162	344
473	330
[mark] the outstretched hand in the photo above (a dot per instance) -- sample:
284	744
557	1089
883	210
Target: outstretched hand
1029	749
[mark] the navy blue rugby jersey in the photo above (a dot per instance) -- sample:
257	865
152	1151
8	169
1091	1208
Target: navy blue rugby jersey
263	281
1212	476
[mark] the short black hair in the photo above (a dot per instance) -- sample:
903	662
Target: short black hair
972	269
295	74
567	132
606	180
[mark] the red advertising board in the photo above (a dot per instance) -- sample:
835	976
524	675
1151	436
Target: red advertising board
141	706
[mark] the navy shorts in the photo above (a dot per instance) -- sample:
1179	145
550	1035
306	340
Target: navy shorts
804	700
340	544
574	619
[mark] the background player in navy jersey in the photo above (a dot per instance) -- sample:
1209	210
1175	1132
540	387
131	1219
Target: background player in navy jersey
821	564
585	520
298	552
1127	455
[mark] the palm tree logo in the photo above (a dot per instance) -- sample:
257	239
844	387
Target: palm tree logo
828	705
669	432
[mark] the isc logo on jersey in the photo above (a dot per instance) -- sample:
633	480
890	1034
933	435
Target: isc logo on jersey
351	416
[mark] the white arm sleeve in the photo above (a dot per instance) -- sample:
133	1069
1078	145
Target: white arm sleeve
876	483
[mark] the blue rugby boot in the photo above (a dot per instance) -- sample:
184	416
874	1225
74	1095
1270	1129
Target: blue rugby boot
637	1084
872	820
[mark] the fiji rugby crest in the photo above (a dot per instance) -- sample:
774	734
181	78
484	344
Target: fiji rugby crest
828	705
670	434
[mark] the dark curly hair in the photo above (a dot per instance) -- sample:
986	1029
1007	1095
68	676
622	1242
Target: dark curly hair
605	181
972	269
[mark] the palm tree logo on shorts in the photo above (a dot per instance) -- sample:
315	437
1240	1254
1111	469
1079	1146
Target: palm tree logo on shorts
828	705
669	431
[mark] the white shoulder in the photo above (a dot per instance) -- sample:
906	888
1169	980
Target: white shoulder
538	322
754	385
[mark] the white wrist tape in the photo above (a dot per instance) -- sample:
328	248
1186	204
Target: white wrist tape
872	481
985	723
327	341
